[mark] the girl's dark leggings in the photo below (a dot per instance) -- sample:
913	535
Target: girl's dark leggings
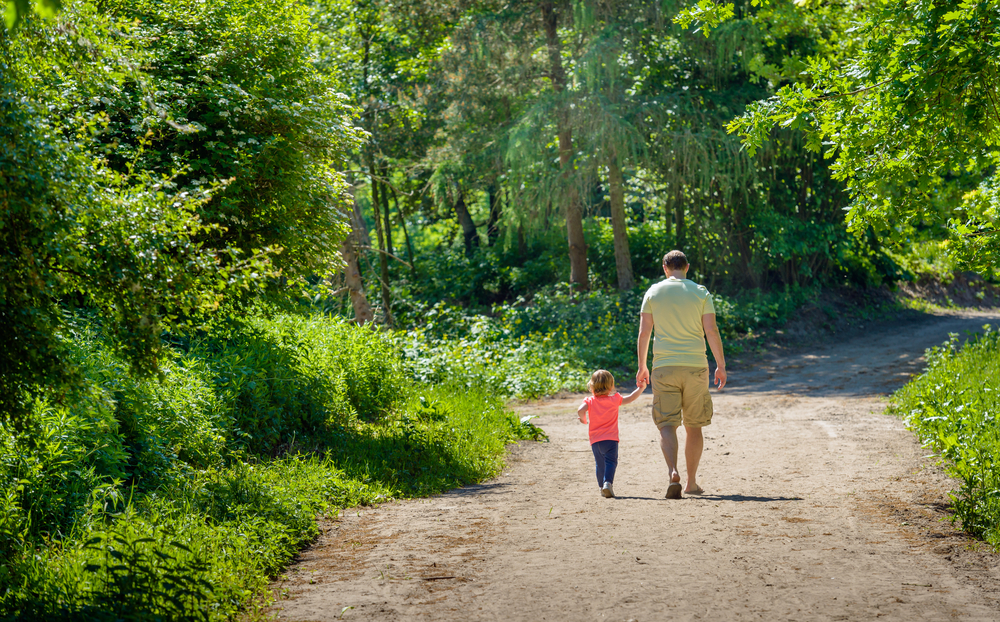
606	457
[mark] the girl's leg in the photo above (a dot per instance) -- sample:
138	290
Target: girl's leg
599	460
610	460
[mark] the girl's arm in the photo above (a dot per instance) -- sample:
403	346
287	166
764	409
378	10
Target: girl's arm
581	412
634	395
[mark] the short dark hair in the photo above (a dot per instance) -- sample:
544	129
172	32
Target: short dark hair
675	260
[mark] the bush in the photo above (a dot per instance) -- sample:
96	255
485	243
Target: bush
180	498
953	408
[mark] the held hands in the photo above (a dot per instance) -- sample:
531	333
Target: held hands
642	376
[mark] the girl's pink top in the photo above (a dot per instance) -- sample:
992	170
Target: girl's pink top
603	413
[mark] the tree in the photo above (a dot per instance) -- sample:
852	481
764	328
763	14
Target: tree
910	116
130	190
352	268
514	102
380	53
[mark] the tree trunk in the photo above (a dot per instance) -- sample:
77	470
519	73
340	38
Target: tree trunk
386	214
752	279
352	271
623	259
383	259
679	229
406	233
468	226
574	213
493	226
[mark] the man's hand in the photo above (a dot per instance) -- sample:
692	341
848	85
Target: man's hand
642	347
642	376
720	377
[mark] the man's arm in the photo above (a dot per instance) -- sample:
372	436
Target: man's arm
634	395
645	331
715	342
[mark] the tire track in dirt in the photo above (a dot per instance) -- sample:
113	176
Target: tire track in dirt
819	507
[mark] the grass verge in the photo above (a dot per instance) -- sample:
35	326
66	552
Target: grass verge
953	408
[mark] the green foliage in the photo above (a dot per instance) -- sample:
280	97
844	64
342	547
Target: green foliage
16	10
227	93
554	341
708	15
910	118
177	498
138	174
952	407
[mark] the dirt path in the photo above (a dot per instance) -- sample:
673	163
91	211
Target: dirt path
819	508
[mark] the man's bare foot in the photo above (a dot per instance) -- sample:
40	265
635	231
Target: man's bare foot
697	490
675	477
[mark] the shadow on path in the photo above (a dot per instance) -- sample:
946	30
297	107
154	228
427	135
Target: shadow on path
869	362
743	498
475	490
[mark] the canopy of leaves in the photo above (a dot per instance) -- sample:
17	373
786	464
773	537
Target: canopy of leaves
911	118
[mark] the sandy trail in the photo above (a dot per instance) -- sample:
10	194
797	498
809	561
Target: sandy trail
819	507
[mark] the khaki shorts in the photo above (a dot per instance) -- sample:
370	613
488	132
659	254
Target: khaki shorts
678	389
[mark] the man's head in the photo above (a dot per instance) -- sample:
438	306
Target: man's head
675	261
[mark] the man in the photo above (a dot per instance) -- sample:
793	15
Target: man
681	315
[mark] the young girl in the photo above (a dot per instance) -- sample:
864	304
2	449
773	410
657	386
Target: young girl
602	408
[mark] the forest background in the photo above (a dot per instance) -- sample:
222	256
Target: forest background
266	258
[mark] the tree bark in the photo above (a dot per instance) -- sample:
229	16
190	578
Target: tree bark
386	214
406	233
573	211
468	226
623	259
383	259
679	229
352	270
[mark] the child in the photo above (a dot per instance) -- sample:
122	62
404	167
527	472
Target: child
602	408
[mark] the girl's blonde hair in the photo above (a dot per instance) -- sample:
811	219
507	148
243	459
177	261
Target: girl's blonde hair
601	382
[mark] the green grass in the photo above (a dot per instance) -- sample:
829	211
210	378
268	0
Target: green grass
181	498
953	408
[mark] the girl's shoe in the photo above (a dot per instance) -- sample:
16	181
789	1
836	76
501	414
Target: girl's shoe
674	490
607	490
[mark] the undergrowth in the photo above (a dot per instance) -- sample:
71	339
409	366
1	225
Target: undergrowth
179	498
953	408
555	340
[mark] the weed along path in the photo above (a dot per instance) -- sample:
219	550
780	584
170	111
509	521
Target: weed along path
819	507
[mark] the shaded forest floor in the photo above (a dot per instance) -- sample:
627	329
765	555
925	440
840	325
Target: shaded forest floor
842	312
819	507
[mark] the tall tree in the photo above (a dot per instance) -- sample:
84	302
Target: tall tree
352	268
623	259
551	14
